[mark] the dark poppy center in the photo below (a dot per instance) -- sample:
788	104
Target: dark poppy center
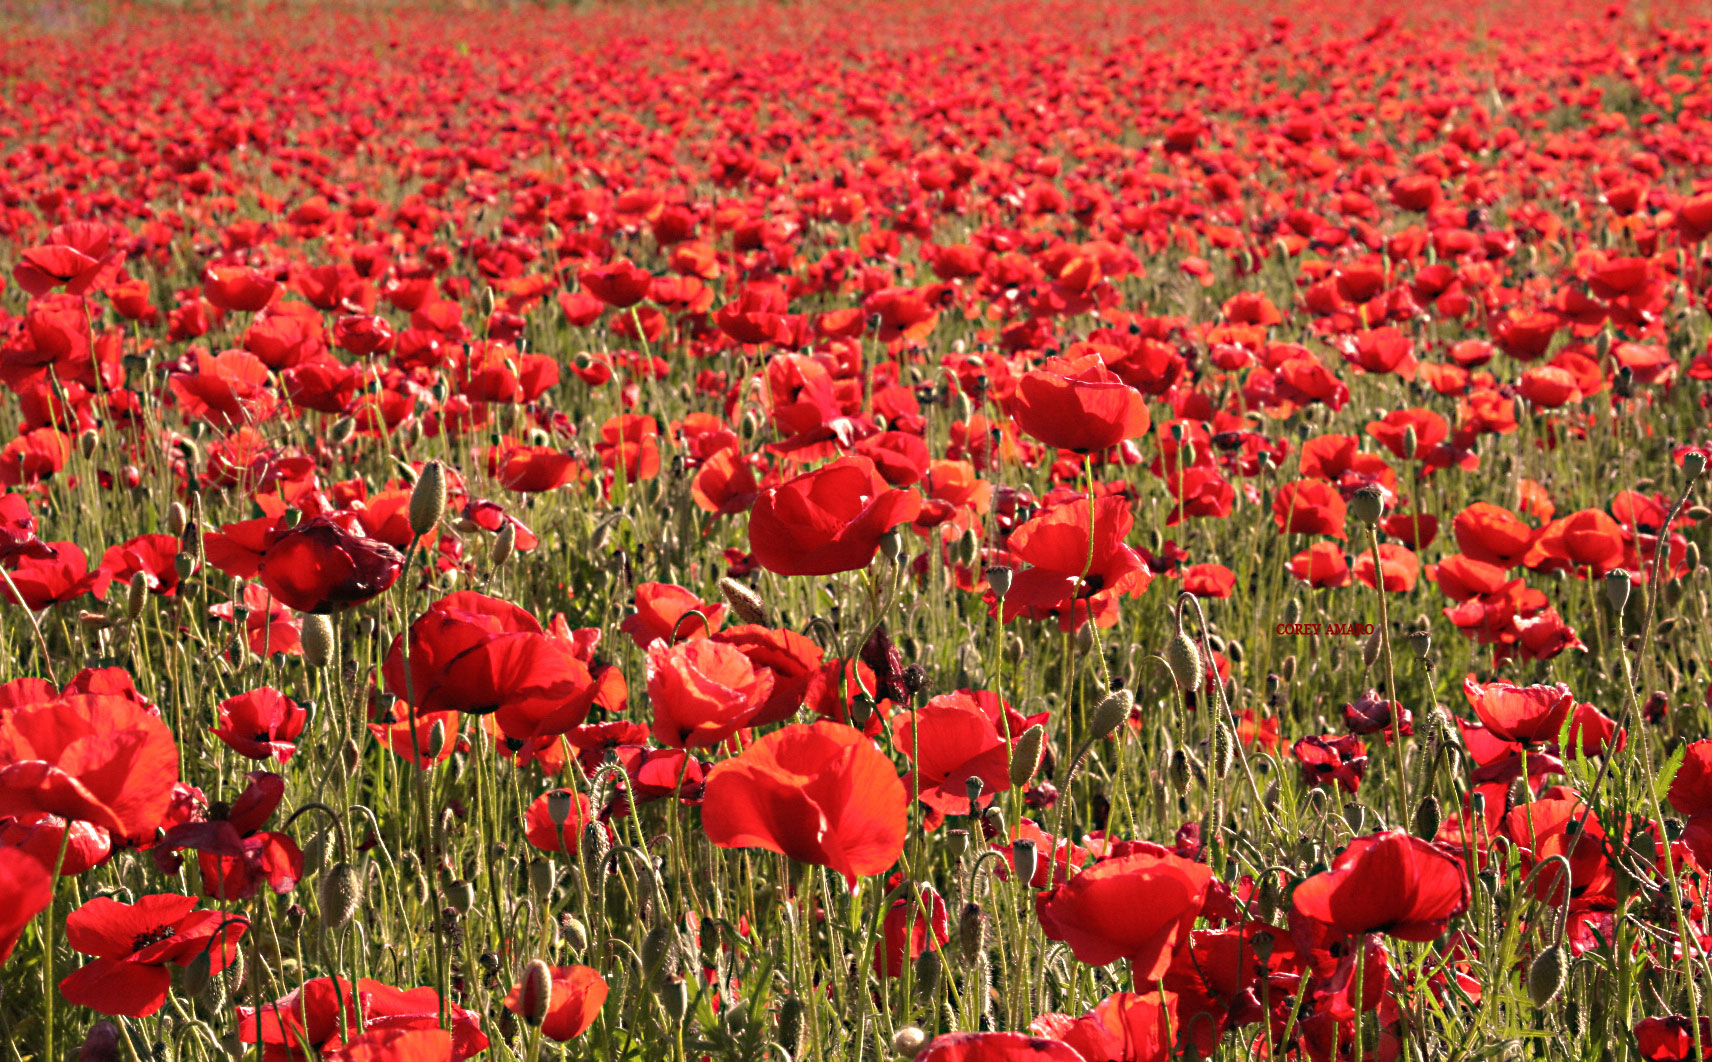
153	936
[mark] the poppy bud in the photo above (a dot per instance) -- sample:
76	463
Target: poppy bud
972	932
1111	713
185	565
1025	857
659	952
1617	585
744	601
1183	657
428	498
541	878
1368	505
136	596
927	971
1263	944
908	1042
535	992
968	548
343	430
791	1025
504	543
1691	556
1292	612
1546	975
176	518
1177	769
1026	755
1224	748
594	844
1287	670
1355	815
891	546
1411	442
341	893
675	997
317	639
1370	648
198	975
1427	818
999	579
1693	463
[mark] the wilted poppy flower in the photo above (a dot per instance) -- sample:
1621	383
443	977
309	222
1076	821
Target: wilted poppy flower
1138	907
827	521
819	793
1386	883
321	567
260	724
133	944
702	692
103	759
1079	404
574	1002
1532	715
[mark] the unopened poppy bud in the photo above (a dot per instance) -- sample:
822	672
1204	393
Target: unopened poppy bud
999	579
1427	818
892	545
94	621
176	518
1183	657
461	896
1691	556
1025	857
317	639
541	878
791	1025
993	822
968	548
1693	463
504	544
972	932
744	601
559	804
428	498
1177	769
927	971
1411	443
1026	755
659	952
1371	648
185	565
1287	670
1546	975
198	974
1224	748
594	845
1355	815
341	893
1618	582
535	992
136	595
572	932
1292	612
675	997
1368	505
909	1041
1110	713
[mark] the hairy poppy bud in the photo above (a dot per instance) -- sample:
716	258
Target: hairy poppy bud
317	639
909	1041
791	1025
428	498
972	932
1546	975
1183	657
1026	755
504	544
1618	582
136	596
927	971
594	845
1371	648
1293	611
1411	443
659	952
1224	748
1177	769
1427	818
892	545
535	992
1111	713
541	878
176	519
744	601
1368	505
675	997
341	893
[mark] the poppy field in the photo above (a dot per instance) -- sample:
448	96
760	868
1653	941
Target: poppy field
771	531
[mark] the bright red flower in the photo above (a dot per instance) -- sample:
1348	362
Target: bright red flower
260	724
319	566
912	924
98	758
702	692
1386	883
133	944
578	993
827	521
1309	507
956	737
1138	907
996	1047
26	886
1061	580
663	614
1529	714
1079	404
1492	534
819	793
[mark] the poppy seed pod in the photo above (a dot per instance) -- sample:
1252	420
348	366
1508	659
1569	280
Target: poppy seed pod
559	805
1693	463
744	601
317	638
1618	582
428	498
999	580
1110	714
1368	505
1183	657
535	995
1546	975
909	1041
1025	857
1026	755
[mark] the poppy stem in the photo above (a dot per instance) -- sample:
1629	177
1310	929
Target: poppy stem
48	927
1390	672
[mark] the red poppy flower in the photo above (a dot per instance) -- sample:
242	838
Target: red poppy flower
1062	581
1079	404
77	255
43	582
321	567
702	692
1671	1038
1401	567
539	830
1130	1027
1339	760
819	793
796	663
996	1047
260	724
574	1002
663	614
1138	907
1322	564
103	759
618	284
235	855
26	886
955	737
912	924
133	944
1386	883
1309	507
1493	534
1587	539
1532	715
827	521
